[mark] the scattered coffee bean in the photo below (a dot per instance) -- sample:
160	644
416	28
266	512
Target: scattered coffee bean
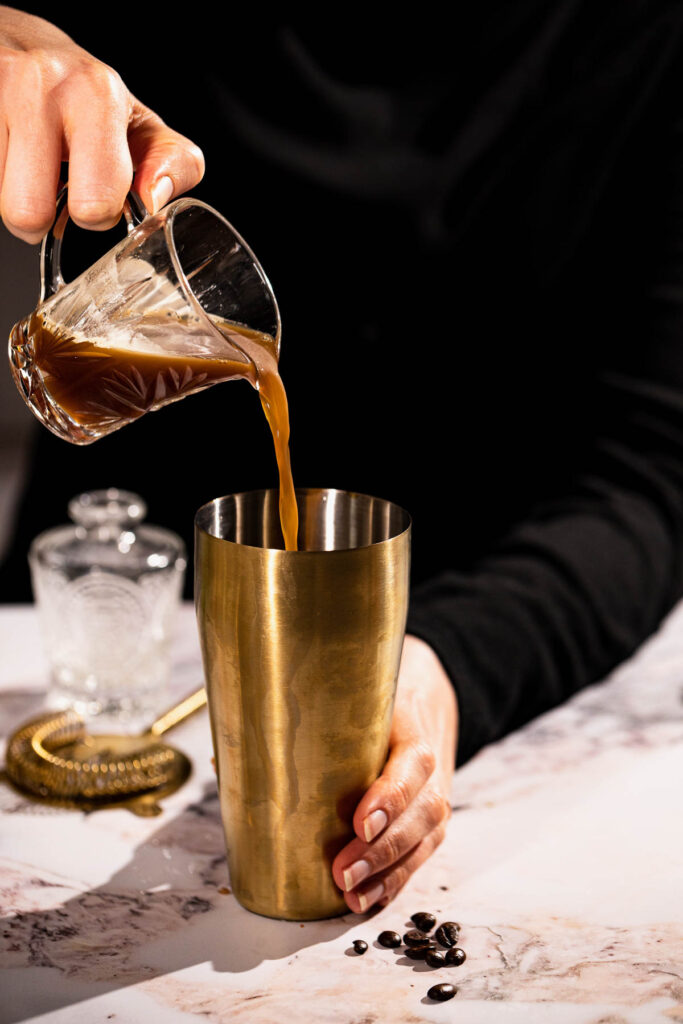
455	957
423	920
420	952
360	946
435	959
414	937
391	940
447	933
441	993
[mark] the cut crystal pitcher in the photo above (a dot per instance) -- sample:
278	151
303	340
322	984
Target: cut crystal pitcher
179	304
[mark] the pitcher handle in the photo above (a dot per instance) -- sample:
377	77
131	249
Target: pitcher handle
51	279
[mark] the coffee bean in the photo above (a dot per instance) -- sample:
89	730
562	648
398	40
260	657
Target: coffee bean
423	920
447	933
420	952
455	957
360	946
435	959
414	938
442	992
391	940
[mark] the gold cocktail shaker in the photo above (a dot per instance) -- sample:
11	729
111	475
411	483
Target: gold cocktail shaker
301	652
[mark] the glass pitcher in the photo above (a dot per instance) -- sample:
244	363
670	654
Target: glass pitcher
179	304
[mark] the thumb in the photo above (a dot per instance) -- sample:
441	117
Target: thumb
166	163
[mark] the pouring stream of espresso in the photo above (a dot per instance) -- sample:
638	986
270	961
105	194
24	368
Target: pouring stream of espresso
98	388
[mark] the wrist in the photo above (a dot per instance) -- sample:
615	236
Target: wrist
426	703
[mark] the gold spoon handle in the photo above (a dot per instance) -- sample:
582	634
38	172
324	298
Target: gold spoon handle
178	713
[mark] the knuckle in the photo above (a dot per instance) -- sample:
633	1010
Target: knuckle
426	758
92	86
435	808
92	211
184	160
34	69
392	848
101	206
195	160
29	215
43	72
103	79
400	796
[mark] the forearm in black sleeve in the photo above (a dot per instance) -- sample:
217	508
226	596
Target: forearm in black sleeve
573	590
583	580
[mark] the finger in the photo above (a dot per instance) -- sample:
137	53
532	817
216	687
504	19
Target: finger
359	861
96	114
386	886
4	142
30	151
409	766
167	164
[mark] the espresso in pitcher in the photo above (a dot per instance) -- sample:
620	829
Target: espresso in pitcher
88	390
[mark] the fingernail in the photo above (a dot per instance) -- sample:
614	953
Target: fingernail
355	874
371	896
161	192
373	825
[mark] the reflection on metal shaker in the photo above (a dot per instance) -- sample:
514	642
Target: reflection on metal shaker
301	653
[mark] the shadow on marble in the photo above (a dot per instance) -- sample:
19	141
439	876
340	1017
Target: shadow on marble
167	909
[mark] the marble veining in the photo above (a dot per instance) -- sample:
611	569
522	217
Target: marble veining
562	863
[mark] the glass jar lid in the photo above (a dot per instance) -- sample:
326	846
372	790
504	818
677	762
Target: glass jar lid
108	506
108	535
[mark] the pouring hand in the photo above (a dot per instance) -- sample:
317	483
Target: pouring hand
402	818
60	103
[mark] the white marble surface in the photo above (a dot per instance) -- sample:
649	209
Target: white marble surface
563	862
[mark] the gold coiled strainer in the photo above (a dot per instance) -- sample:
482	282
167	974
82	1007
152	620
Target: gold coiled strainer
53	757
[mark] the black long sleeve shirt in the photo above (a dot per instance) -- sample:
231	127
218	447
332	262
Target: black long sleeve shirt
475	234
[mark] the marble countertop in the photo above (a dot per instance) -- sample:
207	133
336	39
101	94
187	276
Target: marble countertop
563	863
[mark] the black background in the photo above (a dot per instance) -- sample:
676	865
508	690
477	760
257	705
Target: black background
446	317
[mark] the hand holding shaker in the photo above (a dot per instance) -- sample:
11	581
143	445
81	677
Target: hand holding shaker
301	654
